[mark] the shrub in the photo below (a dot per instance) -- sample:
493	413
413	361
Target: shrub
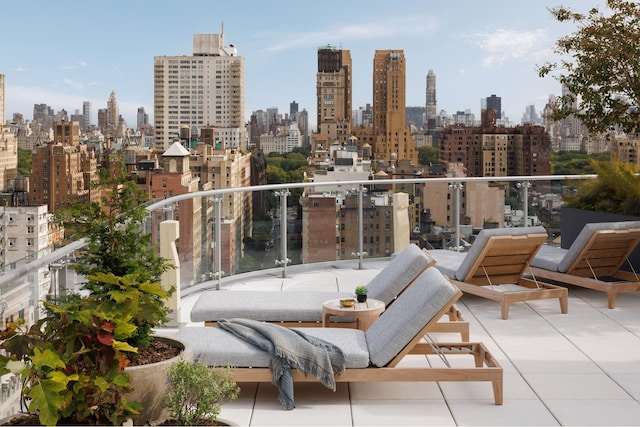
196	392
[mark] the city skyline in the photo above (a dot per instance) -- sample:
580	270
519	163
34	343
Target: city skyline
64	56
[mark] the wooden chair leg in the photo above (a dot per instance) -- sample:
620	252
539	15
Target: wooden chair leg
504	308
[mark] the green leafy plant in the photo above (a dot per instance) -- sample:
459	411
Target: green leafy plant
72	361
196	392
361	290
615	190
113	228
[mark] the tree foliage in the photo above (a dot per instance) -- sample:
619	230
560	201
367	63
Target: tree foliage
575	162
599	66
617	189
428	155
24	162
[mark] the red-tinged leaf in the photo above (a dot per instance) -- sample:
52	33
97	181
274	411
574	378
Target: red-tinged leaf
105	338
108	326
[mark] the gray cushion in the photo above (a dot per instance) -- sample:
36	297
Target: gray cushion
400	323
481	241
397	274
306	306
585	235
447	261
216	347
548	257
269	306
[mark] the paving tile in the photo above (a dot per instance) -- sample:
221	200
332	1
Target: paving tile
511	413
401	413
595	412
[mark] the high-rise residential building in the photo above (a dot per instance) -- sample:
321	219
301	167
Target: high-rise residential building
431	104
293	111
415	116
113	116
86	113
142	118
392	138
61	173
334	93
205	89
2	101
67	133
8	157
493	102
43	115
497	151
102	120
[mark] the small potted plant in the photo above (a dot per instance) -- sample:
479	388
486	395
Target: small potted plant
361	293
195	393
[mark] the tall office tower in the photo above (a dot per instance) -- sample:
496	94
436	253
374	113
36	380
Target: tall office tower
2	101
113	115
43	114
206	89
431	104
495	103
142	118
293	111
86	112
333	94
392	138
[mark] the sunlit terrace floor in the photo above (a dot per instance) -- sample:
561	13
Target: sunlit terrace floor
581	368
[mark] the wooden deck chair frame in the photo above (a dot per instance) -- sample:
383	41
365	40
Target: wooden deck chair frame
598	265
504	260
486	367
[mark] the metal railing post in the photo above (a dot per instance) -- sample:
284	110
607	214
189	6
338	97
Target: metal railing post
284	260
456	186
525	200
217	205
361	252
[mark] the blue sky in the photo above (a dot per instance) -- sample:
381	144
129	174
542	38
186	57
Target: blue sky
64	53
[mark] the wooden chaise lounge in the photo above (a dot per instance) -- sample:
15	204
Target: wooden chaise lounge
374	354
304	308
594	260
496	267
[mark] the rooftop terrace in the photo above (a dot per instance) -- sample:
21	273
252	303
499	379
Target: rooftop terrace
580	368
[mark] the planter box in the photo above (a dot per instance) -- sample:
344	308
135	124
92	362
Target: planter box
572	221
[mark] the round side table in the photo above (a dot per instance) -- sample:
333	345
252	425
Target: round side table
365	312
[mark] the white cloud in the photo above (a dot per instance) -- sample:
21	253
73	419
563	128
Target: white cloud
413	25
73	84
503	45
80	64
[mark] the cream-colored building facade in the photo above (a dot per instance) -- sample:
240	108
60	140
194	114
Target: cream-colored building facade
205	89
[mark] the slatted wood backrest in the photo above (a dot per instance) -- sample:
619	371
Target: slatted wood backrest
605	252
504	259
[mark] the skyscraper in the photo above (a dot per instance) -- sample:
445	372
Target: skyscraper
86	113
206	89
333	93
142	118
293	110
495	103
393	139
113	115
431	104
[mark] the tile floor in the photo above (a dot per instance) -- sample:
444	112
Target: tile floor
580	368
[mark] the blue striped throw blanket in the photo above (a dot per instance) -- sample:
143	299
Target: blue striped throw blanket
290	348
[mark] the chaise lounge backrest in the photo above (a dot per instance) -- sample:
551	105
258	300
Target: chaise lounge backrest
626	234
403	268
479	248
426	299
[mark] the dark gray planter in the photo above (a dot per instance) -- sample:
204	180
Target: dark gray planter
572	221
